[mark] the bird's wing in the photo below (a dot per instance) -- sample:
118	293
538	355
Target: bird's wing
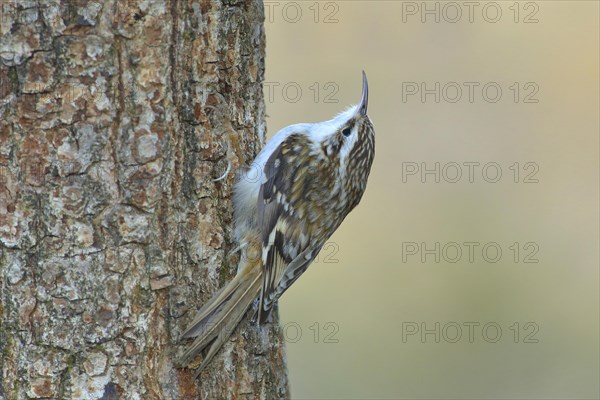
286	243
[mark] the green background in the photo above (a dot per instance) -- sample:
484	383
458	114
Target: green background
366	285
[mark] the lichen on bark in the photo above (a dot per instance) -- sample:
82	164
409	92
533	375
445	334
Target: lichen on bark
115	119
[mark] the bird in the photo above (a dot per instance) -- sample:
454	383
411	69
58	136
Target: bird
286	205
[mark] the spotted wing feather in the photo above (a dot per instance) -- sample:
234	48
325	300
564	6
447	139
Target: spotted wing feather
286	244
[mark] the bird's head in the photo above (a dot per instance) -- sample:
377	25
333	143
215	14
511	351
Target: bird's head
349	139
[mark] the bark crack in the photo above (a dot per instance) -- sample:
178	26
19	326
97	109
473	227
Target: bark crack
116	126
173	53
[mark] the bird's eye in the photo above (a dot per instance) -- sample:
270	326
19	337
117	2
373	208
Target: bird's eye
346	132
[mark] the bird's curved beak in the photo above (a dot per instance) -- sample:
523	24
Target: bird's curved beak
364	99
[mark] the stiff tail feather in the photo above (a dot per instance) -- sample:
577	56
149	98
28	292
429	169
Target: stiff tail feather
218	318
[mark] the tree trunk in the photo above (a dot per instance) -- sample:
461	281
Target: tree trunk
115	118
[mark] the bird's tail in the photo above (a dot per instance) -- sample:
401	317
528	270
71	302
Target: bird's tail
218	318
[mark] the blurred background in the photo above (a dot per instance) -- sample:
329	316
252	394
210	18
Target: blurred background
470	268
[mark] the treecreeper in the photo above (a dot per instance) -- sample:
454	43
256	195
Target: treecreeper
310	176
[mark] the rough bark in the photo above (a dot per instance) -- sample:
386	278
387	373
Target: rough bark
115	117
